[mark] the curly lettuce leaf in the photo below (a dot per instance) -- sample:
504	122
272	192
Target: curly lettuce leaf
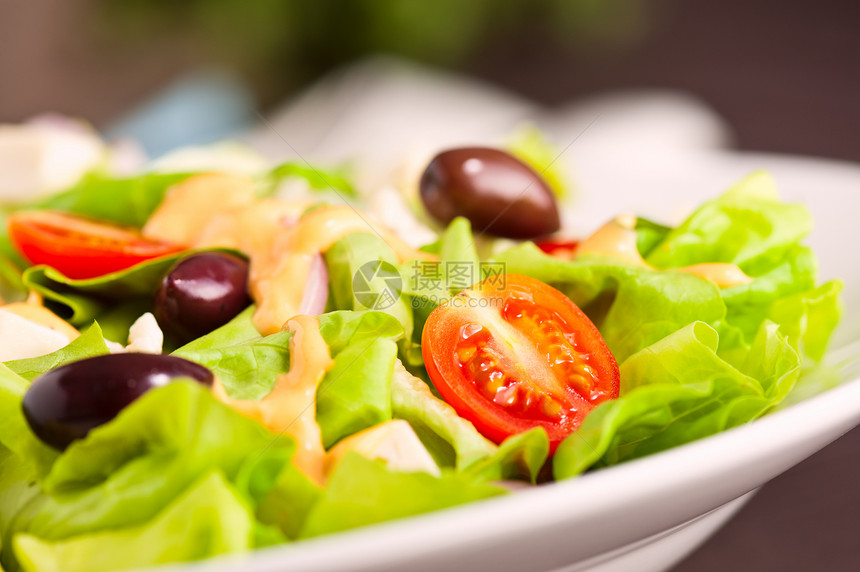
633	307
238	330
679	390
520	456
749	225
284	496
809	318
354	395
362	492
247	368
206	520
752	227
649	234
451	440
127	471
344	328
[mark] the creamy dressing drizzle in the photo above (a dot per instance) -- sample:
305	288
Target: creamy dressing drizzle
278	287
722	274
290	408
213	210
617	239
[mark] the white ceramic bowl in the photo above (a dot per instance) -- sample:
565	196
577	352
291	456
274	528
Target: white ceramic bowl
649	513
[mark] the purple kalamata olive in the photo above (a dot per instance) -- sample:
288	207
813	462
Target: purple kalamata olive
497	192
201	293
66	403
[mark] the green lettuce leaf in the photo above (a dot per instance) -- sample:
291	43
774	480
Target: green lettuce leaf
809	318
748	225
247	369
15	433
12	288
318	179
238	330
127	471
679	390
284	499
356	392
128	201
362	492
344	328
206	520
649	234
367	261
451	440
519	456
17	487
354	395
82	301
530	146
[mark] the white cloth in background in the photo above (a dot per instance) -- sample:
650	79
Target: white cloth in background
381	110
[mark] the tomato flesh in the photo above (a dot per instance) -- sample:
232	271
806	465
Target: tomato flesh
559	248
79	247
519	357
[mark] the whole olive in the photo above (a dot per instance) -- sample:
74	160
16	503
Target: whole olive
66	403
200	293
497	192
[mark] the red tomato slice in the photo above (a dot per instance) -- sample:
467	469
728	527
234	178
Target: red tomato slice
510	356
78	247
559	248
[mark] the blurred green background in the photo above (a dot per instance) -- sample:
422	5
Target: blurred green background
281	45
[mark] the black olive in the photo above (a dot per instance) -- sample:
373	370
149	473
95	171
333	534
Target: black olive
497	192
201	293
66	403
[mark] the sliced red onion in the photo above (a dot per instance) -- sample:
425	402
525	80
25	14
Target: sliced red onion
316	290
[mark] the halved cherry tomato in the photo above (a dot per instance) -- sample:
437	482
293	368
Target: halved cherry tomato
512	353
558	247
78	247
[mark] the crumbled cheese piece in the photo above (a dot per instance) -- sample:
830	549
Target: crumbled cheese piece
145	336
21	338
394	442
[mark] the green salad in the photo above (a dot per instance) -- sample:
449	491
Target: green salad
198	364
